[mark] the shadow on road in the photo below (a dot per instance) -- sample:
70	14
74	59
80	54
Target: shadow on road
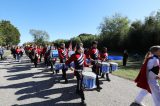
42	89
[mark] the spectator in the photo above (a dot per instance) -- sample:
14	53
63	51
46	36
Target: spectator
125	57
1	52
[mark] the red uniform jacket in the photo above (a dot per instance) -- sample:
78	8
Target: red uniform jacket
87	54
79	60
103	56
18	51
39	51
94	53
30	49
44	50
63	53
141	79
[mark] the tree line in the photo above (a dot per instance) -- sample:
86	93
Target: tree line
118	33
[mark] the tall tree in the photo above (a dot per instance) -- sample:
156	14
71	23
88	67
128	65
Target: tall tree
39	36
114	31
9	34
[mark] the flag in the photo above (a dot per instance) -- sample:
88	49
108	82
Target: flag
70	46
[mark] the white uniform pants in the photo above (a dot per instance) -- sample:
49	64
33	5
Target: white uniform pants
155	89
141	95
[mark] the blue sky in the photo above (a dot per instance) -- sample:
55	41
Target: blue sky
68	18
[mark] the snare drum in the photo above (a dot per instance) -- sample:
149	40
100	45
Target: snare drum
114	66
89	80
60	66
105	67
72	65
88	61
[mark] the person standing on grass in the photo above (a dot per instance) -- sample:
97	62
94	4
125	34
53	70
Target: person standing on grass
148	77
1	52
125	57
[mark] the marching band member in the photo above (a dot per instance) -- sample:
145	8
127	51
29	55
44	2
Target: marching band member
79	60
26	48
52	59
148	77
45	54
63	56
104	57
94	56
1	52
40	49
31	53
36	55
139	98
18	53
13	51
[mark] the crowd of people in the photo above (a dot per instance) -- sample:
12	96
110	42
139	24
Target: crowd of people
17	52
81	58
147	79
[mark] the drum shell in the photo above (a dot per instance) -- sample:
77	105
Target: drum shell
105	67
89	80
114	66
61	66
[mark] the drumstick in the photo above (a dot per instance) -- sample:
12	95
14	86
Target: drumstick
72	69
158	77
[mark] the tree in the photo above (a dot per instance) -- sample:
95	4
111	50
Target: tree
39	36
135	36
114	31
9	35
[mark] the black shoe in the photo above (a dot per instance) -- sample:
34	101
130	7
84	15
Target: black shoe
66	81
99	89
83	102
102	76
107	79
57	71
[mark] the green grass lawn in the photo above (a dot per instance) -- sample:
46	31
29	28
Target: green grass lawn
130	71
126	73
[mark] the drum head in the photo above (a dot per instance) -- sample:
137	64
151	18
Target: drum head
112	63
89	74
105	63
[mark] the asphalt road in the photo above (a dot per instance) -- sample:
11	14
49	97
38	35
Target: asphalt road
23	85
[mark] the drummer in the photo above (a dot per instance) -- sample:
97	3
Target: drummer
94	56
63	56
79	60
104	58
